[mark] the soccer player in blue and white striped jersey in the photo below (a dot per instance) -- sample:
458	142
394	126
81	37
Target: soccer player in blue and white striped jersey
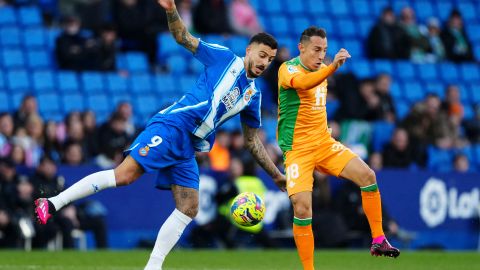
168	144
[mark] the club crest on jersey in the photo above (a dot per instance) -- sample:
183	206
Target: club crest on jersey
292	69
230	98
144	151
248	94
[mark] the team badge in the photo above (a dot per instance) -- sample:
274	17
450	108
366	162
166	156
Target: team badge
292	69
144	151
248	95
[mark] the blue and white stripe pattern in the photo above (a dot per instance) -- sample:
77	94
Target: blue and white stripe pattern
220	93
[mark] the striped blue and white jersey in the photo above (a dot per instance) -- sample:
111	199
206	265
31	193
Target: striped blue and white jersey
222	91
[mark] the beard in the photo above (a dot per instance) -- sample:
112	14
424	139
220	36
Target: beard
250	72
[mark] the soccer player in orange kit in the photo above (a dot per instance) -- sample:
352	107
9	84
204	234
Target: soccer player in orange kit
307	144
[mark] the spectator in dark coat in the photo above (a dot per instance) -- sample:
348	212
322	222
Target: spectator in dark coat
455	39
210	17
398	153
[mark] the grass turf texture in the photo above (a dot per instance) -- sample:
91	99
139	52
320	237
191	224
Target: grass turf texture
234	260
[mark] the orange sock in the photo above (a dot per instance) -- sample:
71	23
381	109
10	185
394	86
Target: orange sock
372	206
303	235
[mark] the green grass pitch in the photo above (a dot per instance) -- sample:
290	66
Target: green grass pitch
235	260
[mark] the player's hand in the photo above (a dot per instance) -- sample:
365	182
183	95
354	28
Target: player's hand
167	4
340	58
280	181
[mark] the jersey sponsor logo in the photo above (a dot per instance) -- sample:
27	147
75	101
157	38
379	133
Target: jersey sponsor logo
230	98
292	69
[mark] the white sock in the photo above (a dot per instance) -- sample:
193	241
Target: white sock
86	186
167	237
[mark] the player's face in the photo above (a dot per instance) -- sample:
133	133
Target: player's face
312	53
258	58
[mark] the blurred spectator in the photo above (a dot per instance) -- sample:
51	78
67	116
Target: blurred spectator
6	133
92	12
71	47
382	89
210	17
138	24
346	88
17	155
185	11
419	45
52	145
437	49
27	107
461	164
104	52
112	139
372	109
271	74
472	127
9	233
375	161
219	155
455	39
243	18
398	153
8	181
452	104
237	145
124	109
387	39
91	132
73	154
32	140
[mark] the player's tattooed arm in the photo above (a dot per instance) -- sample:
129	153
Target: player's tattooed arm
176	26
255	146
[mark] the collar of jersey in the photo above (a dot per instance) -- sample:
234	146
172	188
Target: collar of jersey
303	66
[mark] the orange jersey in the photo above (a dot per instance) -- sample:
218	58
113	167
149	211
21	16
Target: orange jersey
302	115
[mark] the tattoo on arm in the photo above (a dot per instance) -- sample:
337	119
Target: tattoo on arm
255	146
180	32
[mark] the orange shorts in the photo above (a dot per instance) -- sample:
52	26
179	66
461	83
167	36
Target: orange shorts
329	157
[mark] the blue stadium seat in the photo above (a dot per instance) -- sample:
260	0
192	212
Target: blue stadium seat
383	66
439	160
468	151
361	9
3	84
237	44
333	47
378	6
339	8
116	83
92	82
470	72
280	24
424	10
48	103
215	39
465	96
413	91
404	70
146	105
362	68
141	83
332	108
72	102
399	5
300	24
315	7
38	59
67	81
468	112
365	25
10	36
196	67
448	72
290	43
476	51
325	23
43	81
30	16
7	16
137	62
52	35
269	125
476	153
34	37
18	80
186	83
5	103
435	87
473	32
381	134
475	93
122	97
177	64
396	90
273	7
401	109
346	28
354	47
100	104
468	10
13	58
427	72
164	84
443	9
295	7
167	46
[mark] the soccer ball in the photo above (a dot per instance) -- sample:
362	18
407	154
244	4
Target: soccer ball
247	209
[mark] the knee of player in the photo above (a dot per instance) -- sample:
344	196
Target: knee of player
368	177
190	210
302	210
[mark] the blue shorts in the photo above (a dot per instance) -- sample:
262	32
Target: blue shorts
166	149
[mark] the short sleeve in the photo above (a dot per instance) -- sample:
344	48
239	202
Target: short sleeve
210	54
251	115
286	74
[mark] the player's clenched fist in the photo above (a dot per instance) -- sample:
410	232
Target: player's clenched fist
167	4
340	58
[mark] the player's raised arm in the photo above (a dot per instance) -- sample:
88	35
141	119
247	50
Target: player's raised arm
176	26
255	146
312	79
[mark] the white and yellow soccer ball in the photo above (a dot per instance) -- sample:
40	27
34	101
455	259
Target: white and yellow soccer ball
247	209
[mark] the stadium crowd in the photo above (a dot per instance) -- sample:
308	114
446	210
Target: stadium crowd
95	31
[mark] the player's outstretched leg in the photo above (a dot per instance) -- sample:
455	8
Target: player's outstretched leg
186	201
302	228
359	172
127	172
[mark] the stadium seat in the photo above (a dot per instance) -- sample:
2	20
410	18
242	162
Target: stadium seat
186	84
404	70
52	35
315	7
290	43
476	153
381	134
215	39
470	72
30	16
38	59
5	103
333	46
167	46
325	23
427	72
396	90
237	44
401	109
18	81
67	81
476	51
7	16
365	26
383	66
346	28
475	93
13	58
399	5
269	125
48	103
338	8
34	37
146	105
273	7
43	81
122	97
413	91
100	104
280	24
177	64
196	67
378	6
332	108
72	102
295	7
435	87
164	85
439	160
362	68
140	83
448	72
361	8
423	10
468	10
465	96
10	36
92	82
468	112
443	9
299	24
137	62
3	84
116	83
473	32
354	47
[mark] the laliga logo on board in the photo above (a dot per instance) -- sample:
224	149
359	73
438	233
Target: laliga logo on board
437	203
